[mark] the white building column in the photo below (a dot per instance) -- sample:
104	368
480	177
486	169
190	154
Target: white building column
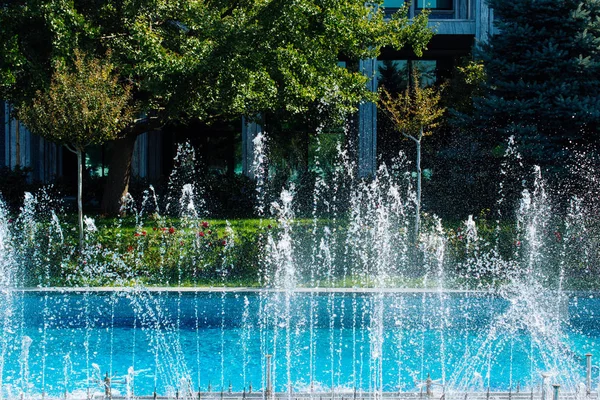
146	162
17	141
367	124
484	21
250	129
24	149
139	159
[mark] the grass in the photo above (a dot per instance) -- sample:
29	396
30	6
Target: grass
176	252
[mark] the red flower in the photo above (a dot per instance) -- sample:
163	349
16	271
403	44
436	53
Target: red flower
129	249
153	228
204	224
201	234
144	233
269	226
181	243
224	242
210	232
460	237
163	229
171	230
558	236
136	234
10	221
518	243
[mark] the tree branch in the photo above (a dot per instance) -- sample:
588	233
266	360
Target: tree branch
143	125
70	148
114	35
411	137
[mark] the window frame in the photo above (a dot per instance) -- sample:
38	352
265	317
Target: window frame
452	6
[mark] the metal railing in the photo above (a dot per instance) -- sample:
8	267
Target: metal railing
430	390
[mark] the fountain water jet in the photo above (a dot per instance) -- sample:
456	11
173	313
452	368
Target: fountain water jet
379	338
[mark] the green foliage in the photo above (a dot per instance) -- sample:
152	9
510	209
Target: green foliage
206	58
83	106
169	252
211	60
543	73
466	83
414	112
160	252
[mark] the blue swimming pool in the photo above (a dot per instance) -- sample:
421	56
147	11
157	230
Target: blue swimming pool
59	342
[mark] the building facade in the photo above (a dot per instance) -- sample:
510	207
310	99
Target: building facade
22	149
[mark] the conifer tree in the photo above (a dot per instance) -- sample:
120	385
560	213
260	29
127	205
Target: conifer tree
543	68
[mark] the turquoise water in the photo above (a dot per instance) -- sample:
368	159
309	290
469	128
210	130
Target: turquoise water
342	341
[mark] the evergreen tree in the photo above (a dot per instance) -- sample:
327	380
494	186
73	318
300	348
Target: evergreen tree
543	69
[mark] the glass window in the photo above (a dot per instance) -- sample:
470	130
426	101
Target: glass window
394	75
435	4
96	159
393	3
427	71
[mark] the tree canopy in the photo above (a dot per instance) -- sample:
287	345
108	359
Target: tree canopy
84	105
543	70
207	59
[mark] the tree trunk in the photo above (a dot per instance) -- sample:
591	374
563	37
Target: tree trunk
80	194
119	174
418	205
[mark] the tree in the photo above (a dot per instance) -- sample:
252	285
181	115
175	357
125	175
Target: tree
84	105
205	59
414	113
543	70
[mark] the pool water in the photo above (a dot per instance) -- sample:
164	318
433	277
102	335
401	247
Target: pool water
161	341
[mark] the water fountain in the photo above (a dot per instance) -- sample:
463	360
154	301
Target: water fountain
344	311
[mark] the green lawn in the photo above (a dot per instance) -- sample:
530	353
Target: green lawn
218	252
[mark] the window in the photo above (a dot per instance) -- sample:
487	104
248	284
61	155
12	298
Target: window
95	159
393	3
395	74
436	4
427	70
